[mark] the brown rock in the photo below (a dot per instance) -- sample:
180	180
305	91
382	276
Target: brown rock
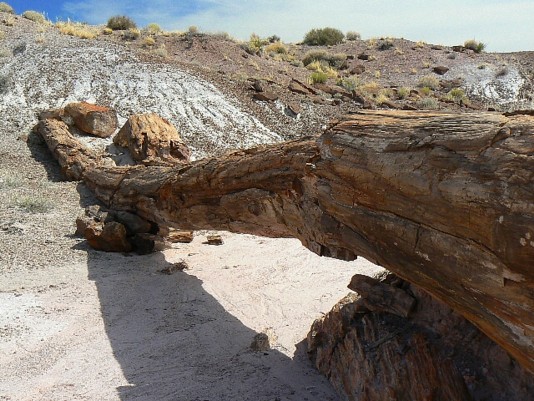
133	223
179	236
364	57
302	88
92	119
108	237
152	139
388	104
381	297
440	69
265	96
258	86
357	69
333	90
294	108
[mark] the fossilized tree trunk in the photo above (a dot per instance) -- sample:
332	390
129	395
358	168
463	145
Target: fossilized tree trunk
446	201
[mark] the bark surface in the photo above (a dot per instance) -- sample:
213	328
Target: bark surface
443	200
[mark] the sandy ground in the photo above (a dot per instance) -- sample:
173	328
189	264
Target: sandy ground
116	328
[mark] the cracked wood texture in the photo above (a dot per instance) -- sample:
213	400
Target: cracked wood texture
445	201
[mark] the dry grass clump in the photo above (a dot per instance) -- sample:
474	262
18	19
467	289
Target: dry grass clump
149	41
333	60
107	31
121	23
403	93
474	45
35	204
131	34
153	29
77	29
6	8
276	47
428	103
429	81
161	51
457	95
352	36
350	84
34	16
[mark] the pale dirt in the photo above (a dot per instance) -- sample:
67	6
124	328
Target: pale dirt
113	327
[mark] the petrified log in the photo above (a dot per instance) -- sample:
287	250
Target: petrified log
432	354
443	200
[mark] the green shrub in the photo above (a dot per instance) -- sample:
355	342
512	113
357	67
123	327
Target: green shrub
474	45
429	81
427	103
425	90
34	16
349	84
193	30
351	35
323	37
318	77
121	23
457	95
6	8
403	92
255	44
153	28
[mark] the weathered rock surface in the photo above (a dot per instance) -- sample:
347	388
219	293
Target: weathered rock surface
152	139
93	119
443	200
431	354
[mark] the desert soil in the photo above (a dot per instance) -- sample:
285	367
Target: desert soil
114	327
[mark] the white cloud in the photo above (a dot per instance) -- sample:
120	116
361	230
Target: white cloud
505	26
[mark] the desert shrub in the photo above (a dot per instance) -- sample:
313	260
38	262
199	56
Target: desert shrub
149	41
10	181
377	74
318	77
420	44
274	39
403	92
77	29
107	31
474	45
381	98
161	51
451	56
121	23
501	72
425	90
385	44
349	84
276	47
429	81
35	204
34	16
323	37
351	35
153	28
255	44
131	34
193	29
333	60
457	95
370	88
6	8
427	103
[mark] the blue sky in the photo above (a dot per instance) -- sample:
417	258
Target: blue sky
503	25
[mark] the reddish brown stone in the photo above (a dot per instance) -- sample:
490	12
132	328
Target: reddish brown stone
92	119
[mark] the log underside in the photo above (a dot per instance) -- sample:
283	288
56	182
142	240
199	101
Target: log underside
443	200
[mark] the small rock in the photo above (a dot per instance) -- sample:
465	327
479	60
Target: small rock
258	86
294	108
364	57
214	239
440	70
357	69
182	236
175	267
92	119
260	343
265	96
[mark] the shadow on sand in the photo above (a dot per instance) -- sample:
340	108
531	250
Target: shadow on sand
174	341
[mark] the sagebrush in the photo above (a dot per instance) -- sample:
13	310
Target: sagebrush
121	23
6	8
323	37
